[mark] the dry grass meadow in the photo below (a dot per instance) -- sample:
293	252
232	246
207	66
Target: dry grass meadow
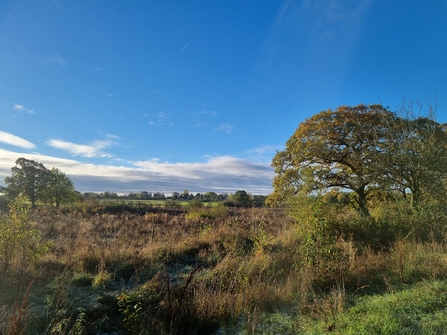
219	270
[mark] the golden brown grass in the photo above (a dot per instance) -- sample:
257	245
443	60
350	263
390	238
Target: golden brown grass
205	272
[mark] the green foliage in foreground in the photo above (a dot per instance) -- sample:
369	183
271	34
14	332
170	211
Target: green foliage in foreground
20	241
416	310
420	309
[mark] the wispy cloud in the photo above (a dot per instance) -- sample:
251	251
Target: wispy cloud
112	136
218	174
54	60
264	153
95	149
162	120
21	108
213	113
15	141
185	46
265	149
224	128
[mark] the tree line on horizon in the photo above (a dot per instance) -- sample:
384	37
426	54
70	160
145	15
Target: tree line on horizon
145	195
53	187
240	198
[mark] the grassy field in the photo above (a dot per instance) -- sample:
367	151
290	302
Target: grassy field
168	203
225	271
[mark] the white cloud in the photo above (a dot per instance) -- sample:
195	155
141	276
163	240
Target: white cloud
264	153
92	150
265	149
112	136
224	128
218	174
21	108
163	119
15	140
225	174
213	113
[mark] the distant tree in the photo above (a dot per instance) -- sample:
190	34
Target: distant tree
133	196
210	196
185	195
29	178
259	200
334	196
175	196
241	199
222	197
59	188
90	195
144	195
158	196
108	195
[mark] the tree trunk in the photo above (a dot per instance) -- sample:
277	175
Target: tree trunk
363	209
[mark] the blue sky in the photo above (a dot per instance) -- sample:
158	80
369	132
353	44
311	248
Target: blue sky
164	96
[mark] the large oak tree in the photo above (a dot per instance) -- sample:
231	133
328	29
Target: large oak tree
364	148
334	148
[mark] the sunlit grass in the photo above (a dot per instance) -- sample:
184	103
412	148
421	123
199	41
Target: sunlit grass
222	270
416	310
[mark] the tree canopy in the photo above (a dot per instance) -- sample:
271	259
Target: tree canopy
29	178
60	188
416	164
362	148
241	199
38	183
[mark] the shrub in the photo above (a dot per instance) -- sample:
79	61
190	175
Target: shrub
198	211
20	242
318	231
